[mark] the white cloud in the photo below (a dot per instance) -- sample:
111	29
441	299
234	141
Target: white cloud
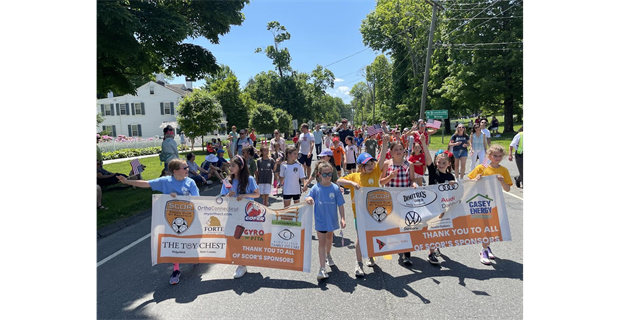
341	92
338	80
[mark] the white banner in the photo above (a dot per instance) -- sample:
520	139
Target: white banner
394	220
223	230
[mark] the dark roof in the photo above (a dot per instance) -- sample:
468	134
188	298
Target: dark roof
178	88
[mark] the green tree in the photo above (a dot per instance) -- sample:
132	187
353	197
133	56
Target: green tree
263	119
199	113
280	56
140	38
227	92
284	121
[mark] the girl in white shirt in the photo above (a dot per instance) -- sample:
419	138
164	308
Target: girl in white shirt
351	155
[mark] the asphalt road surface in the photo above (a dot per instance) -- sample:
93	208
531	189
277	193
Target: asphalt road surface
128	287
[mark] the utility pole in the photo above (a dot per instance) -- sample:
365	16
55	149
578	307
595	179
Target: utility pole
429	52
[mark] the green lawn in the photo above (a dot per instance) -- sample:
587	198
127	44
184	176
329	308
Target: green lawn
123	201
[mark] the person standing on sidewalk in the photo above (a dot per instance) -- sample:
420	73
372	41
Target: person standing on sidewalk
517	143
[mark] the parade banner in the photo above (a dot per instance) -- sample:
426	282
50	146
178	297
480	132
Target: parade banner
223	230
395	220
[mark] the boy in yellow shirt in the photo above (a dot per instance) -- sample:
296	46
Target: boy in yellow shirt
368	175
495	154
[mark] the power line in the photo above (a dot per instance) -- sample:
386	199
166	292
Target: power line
475	44
464	23
327	65
501	12
484	18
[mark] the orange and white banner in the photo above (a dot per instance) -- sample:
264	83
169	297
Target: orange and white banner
395	220
223	230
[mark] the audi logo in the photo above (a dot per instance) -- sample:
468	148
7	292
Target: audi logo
448	187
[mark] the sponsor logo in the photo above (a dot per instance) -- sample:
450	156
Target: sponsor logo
286	234
213	226
416	198
380	243
179	214
379	204
255	212
448	187
219	200
412	218
480	205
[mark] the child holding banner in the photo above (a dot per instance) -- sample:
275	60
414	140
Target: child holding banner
179	183
398	173
330	201
439	171
495	154
242	185
368	175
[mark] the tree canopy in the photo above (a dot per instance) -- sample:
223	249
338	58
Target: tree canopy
136	39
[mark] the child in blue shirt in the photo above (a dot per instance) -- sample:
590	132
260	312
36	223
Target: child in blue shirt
327	200
242	185
177	184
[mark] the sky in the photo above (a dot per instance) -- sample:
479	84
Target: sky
322	32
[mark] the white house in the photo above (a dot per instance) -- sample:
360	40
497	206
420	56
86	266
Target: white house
142	114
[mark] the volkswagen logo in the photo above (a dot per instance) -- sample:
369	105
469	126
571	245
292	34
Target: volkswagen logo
412	218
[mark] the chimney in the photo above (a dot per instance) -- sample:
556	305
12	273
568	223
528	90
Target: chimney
188	83
160	78
110	94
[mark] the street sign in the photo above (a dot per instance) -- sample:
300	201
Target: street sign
437	114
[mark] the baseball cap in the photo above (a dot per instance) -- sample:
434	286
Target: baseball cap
364	158
220	151
326	152
335	139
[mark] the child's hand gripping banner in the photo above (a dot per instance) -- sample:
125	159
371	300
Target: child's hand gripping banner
223	230
395	220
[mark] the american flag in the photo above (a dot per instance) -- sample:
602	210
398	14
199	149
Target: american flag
374	129
486	162
136	167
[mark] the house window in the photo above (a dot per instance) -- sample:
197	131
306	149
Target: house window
152	88
123	109
110	130
138	107
134	130
167	107
108	109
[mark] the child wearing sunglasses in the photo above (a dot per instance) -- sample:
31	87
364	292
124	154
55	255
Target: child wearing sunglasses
178	183
329	201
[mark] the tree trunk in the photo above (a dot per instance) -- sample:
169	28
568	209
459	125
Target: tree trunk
448	129
508	111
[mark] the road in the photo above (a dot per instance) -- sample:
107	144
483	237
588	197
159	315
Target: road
128	287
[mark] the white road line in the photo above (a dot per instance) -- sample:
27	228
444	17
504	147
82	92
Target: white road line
513	195
122	250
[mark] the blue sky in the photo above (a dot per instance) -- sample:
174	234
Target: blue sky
322	32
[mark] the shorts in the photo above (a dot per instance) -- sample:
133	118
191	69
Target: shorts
493	128
417	175
338	168
264	188
460	153
289	196
321	231
305	160
350	166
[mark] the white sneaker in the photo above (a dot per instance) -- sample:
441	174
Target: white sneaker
209	182
491	255
329	261
322	274
241	270
359	271
370	262
484	257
